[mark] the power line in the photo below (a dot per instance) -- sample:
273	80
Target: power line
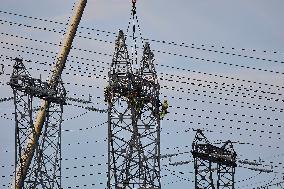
215	75
208	117
204	86
243	94
192	45
238	121
182	90
169	53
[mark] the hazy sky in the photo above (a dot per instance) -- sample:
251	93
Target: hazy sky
224	74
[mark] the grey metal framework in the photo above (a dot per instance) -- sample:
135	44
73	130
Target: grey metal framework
45	169
134	121
209	159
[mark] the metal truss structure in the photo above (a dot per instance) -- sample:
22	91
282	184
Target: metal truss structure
209	159
45	169
134	121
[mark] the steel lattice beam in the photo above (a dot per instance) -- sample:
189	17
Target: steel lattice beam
209	160
134	123
45	166
225	176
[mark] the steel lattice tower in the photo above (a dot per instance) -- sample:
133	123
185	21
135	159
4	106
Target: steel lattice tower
226	167
134	121
202	165
209	159
45	169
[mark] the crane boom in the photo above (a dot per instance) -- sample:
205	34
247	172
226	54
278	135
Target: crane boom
26	158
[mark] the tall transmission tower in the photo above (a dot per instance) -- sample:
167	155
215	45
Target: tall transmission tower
38	141
45	169
134	121
209	159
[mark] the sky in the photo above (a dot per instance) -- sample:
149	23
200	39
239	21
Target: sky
219	63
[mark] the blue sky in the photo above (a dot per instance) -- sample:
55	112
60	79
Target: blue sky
235	30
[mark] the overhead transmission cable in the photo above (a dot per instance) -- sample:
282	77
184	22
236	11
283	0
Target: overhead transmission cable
185	56
215	75
192	45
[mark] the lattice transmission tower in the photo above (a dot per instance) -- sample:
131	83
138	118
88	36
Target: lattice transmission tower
38	141
133	121
45	168
214	166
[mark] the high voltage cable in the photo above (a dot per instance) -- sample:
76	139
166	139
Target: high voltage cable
252	184
4	116
265	184
231	120
243	102
169	53
239	89
230	127
246	179
240	143
210	131
193	91
6	99
100	164
221	132
181	90
177	132
279	183
188	78
100	173
252	96
103	155
246	143
215	75
85	128
207	117
154	40
258	107
104	140
167	133
221	76
265	108
238	121
227	99
203	101
223	86
202	59
90	108
243	115
174	173
78	100
75	117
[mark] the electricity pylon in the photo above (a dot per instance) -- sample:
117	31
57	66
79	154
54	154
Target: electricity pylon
209	159
45	168
49	115
133	121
